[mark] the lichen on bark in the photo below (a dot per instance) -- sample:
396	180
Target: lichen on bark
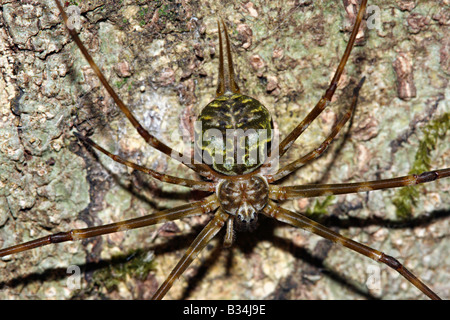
162	58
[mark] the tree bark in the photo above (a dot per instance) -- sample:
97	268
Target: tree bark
162	58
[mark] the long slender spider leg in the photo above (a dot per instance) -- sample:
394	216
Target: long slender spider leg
221	78
324	145
203	238
317	190
149	138
274	211
325	100
195	208
196	185
229	234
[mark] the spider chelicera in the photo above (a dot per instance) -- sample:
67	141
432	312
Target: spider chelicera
253	183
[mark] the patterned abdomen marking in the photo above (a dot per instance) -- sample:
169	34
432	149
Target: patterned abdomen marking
234	134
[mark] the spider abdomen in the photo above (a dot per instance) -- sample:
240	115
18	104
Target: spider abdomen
233	134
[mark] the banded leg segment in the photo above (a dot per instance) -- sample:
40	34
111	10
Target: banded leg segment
323	146
196	185
192	209
229	234
204	237
325	100
149	138
297	220
317	190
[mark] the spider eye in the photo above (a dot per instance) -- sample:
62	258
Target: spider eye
233	134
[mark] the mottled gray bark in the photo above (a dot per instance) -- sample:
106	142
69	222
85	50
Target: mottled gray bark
162	58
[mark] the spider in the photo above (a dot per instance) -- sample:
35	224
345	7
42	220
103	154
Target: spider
88	140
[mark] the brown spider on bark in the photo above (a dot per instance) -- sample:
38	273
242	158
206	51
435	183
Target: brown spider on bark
252	190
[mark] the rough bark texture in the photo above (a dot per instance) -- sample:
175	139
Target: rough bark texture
162	58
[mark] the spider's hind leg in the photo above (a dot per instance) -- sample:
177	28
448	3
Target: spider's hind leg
201	169
274	211
317	152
